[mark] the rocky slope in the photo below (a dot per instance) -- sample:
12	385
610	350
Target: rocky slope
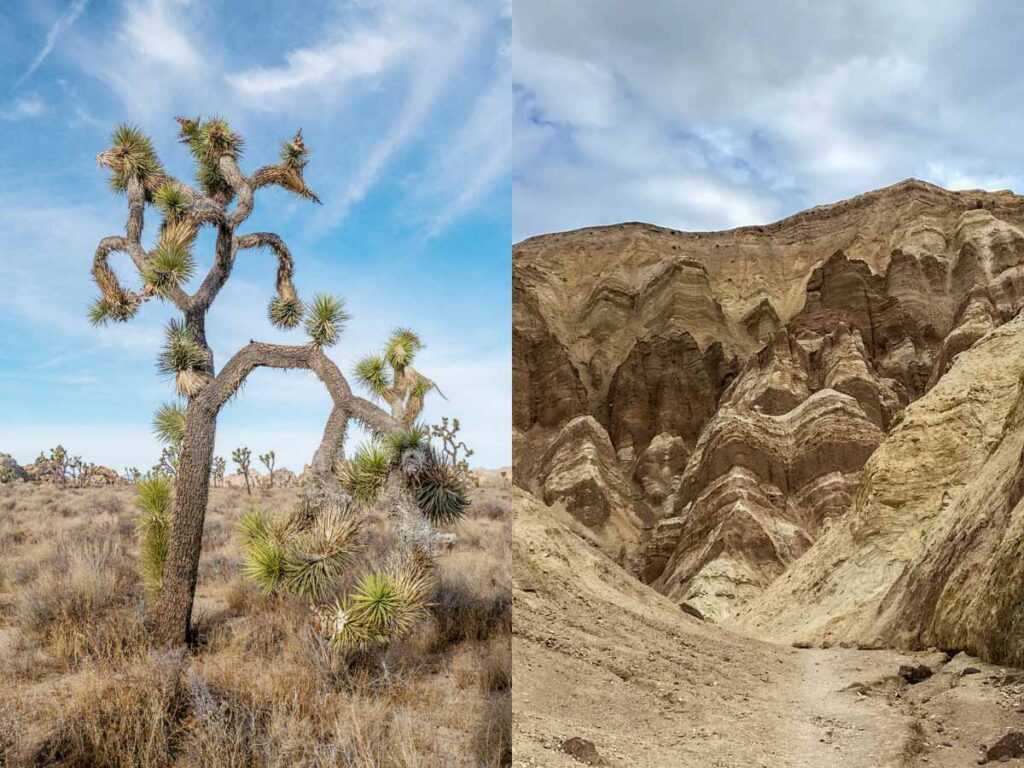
728	412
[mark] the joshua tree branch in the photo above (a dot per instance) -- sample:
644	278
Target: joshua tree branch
223	262
285	264
309	357
243	191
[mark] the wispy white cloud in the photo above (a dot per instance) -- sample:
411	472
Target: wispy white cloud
25	106
430	64
155	56
478	156
63	22
358	54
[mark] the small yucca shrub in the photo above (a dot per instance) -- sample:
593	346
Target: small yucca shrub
282	555
153	527
382	607
440	490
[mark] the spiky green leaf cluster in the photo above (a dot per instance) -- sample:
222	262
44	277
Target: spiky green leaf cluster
208	141
325	318
102	311
264	551
306	562
211	139
169	423
170	265
382	607
183	358
368	472
402	347
153	527
440	491
415	436
131	155
285	313
372	372
320	555
170	199
212	182
294	153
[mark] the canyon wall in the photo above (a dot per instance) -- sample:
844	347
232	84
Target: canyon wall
783	426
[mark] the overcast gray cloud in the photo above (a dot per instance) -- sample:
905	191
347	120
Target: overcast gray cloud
706	115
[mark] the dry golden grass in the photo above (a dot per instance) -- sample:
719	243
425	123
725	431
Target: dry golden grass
80	687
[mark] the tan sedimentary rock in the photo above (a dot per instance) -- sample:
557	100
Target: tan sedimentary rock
925	555
773	361
580	473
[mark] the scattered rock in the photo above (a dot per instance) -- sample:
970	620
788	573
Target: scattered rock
914	673
582	750
1009	746
970	671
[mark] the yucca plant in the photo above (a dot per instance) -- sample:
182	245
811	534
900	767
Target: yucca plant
382	607
283	555
153	528
321	554
440	490
367	473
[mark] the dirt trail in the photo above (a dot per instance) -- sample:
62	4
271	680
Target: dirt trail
601	657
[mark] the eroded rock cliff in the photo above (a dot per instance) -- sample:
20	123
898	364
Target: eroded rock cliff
722	409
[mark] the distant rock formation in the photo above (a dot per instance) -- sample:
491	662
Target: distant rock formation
10	470
749	411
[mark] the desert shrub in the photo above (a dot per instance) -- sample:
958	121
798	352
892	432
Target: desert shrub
85	604
10	728
492	741
224	730
491	508
496	665
473	597
107	503
133	718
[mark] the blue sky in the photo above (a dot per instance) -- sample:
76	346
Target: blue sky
406	105
708	115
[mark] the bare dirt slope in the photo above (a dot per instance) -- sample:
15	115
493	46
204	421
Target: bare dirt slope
599	656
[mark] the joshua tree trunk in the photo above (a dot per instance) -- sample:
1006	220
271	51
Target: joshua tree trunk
173	619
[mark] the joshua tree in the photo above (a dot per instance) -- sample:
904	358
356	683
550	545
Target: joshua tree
168	463
267	460
74	469
448	433
242	457
389	376
223	201
57	464
217	469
